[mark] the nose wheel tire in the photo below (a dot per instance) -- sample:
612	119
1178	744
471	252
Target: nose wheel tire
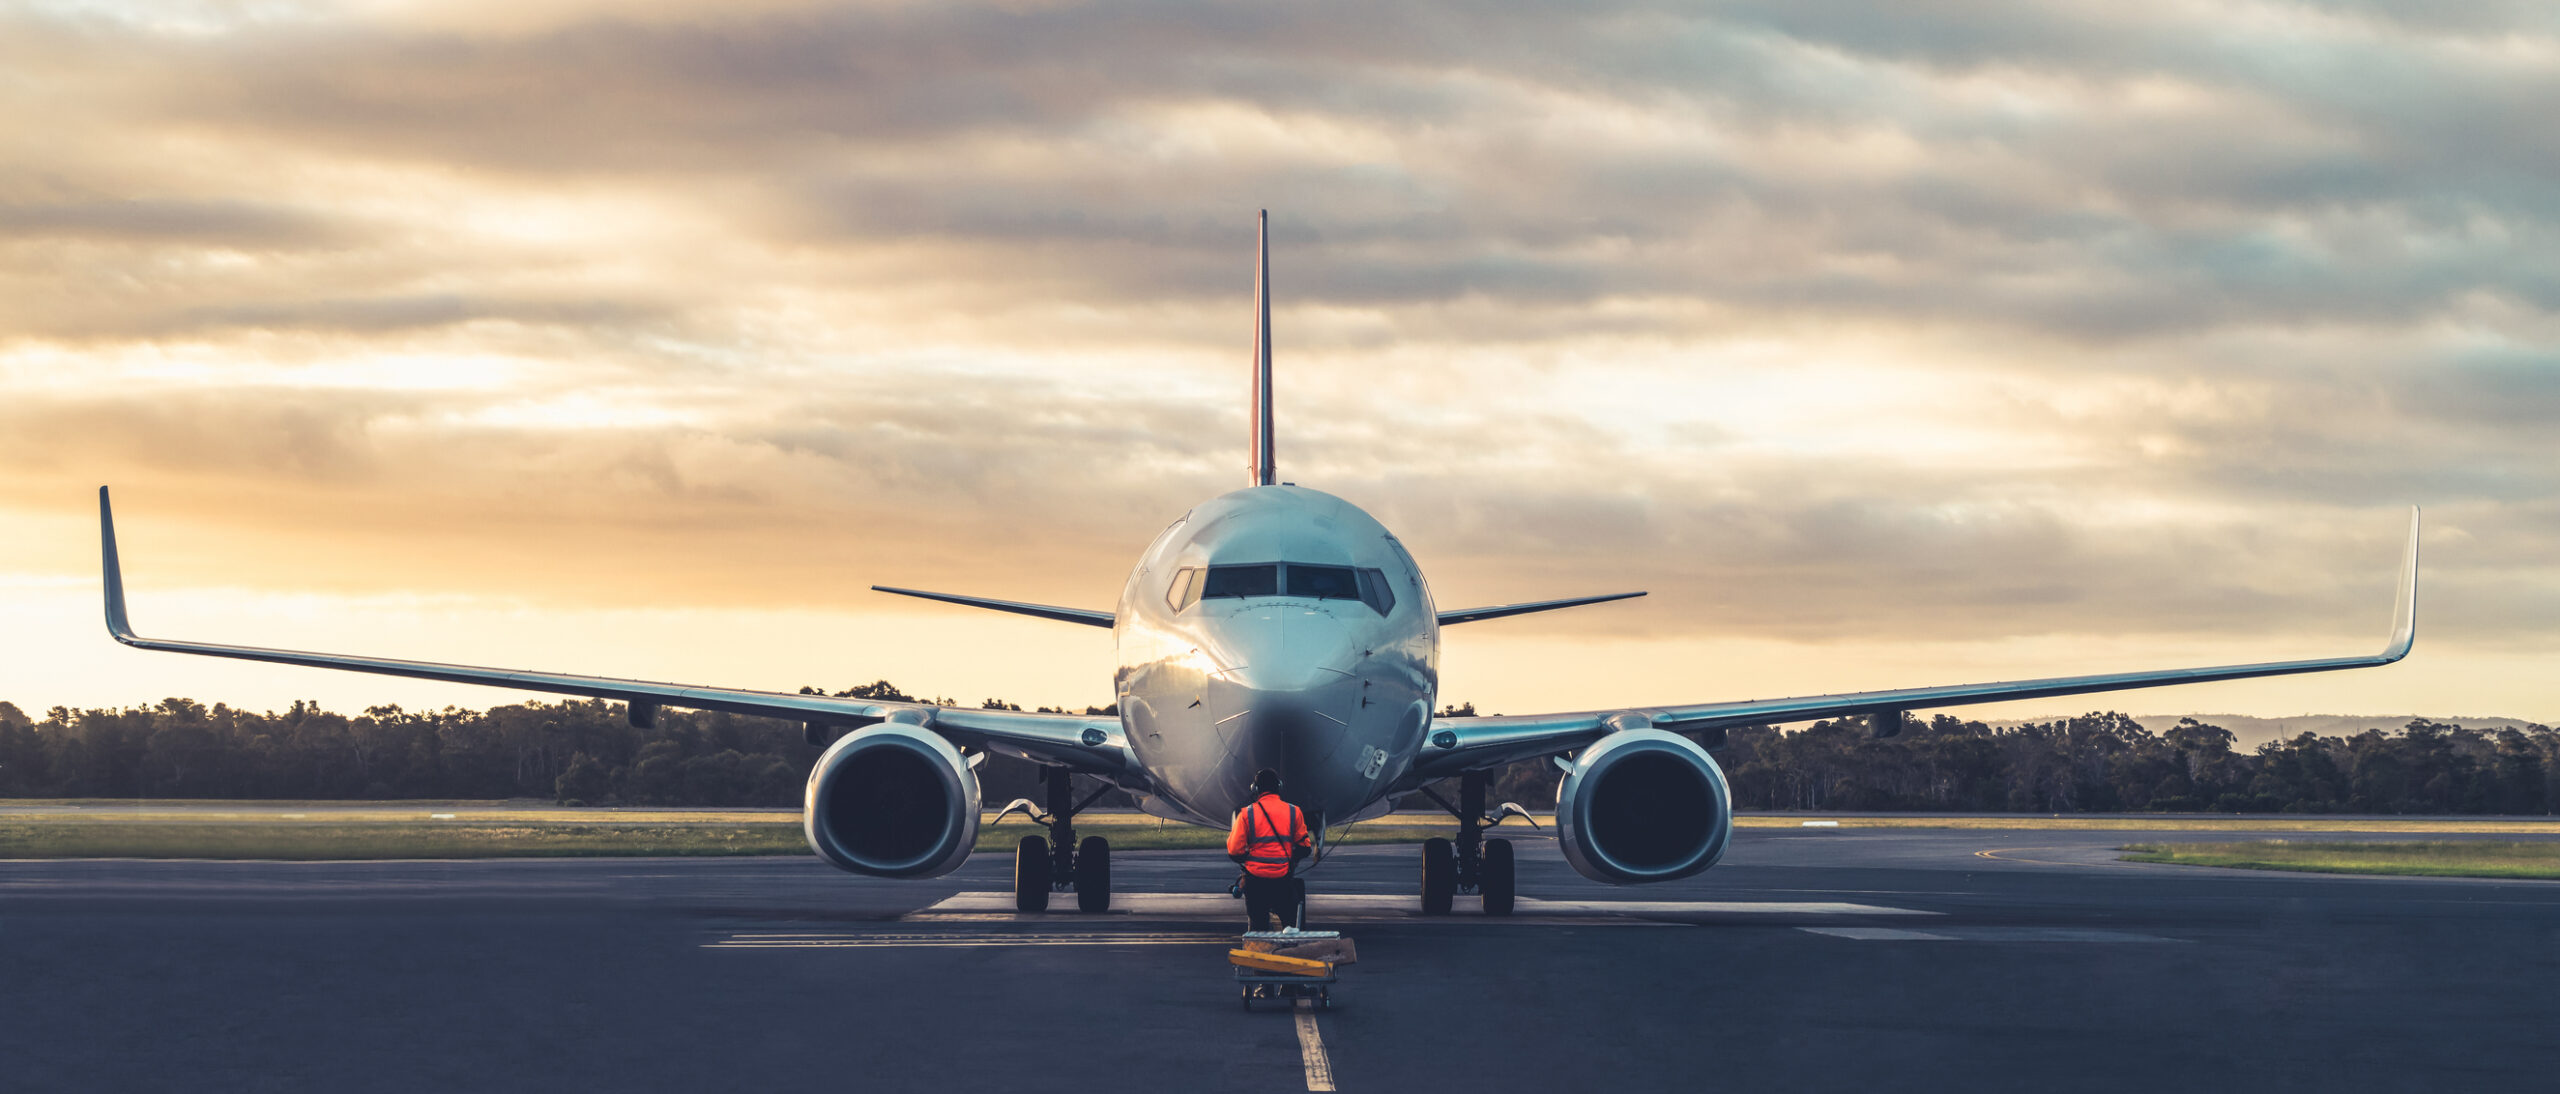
1496	885
1031	875
1093	875
1439	876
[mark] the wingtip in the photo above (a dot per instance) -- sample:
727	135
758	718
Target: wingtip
112	570
2404	610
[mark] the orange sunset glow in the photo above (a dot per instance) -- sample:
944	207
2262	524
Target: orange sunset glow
641	339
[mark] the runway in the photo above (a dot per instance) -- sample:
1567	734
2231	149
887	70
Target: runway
1850	959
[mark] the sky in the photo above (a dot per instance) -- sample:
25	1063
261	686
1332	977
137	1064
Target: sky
1885	345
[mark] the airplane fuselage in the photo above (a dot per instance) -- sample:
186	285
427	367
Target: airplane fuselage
1277	627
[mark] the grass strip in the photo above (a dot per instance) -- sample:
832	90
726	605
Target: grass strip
2233	823
2418	858
571	833
360	830
373	840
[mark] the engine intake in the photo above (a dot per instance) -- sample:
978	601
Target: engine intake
1643	805
895	800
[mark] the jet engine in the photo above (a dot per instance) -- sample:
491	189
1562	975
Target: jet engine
895	800
1643	805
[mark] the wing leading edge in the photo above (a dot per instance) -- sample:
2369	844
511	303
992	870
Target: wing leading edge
1470	615
1465	744
1042	611
1094	745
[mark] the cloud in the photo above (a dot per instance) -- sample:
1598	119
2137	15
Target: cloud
1824	321
218	222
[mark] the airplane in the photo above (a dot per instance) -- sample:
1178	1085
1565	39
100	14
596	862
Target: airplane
1280	627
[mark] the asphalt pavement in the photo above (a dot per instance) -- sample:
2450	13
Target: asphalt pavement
1850	959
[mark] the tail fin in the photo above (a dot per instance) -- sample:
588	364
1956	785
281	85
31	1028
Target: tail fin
1262	470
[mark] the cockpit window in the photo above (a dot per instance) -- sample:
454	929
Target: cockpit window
1374	591
1192	584
1263	580
1323	582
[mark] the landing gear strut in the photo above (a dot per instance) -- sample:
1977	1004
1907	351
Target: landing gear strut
1470	863
1058	864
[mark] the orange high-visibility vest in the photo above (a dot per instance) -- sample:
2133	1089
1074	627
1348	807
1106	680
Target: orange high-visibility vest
1264	840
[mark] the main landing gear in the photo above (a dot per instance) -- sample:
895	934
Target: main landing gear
1059	864
1470	863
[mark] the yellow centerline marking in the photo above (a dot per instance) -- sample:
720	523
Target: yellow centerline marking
1311	1048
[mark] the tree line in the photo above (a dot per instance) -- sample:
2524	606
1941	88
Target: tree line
588	751
577	751
2108	762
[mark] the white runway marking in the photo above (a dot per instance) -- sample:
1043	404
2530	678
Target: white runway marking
847	941
1311	1048
1720	908
1983	934
1356	907
1877	934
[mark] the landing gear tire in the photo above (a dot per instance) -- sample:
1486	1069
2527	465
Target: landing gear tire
1093	875
1439	876
1496	883
1031	875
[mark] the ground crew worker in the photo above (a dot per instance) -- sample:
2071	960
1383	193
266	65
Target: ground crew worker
1269	838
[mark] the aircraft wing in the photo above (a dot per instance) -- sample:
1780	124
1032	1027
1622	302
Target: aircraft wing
1041	611
1092	744
1467	744
1470	615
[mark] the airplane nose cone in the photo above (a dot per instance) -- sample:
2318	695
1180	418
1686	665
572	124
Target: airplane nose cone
1278	649
1284	699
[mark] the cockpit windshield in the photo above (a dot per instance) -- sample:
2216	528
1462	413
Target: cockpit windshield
1323	582
1263	580
1193	584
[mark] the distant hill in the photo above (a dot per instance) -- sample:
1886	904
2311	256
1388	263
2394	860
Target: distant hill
2253	732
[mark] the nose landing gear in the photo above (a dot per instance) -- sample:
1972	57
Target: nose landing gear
1059	864
1471	863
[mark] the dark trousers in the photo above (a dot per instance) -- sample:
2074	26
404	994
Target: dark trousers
1269	897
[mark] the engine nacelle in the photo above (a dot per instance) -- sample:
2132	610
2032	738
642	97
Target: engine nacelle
1643	805
895	800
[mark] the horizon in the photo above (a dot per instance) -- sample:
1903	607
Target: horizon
2244	731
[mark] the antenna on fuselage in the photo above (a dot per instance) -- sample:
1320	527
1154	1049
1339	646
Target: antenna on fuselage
1263	471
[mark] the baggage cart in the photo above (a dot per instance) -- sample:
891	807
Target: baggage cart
1262	973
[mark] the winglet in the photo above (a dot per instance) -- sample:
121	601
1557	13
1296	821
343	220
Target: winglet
2404	612
116	622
